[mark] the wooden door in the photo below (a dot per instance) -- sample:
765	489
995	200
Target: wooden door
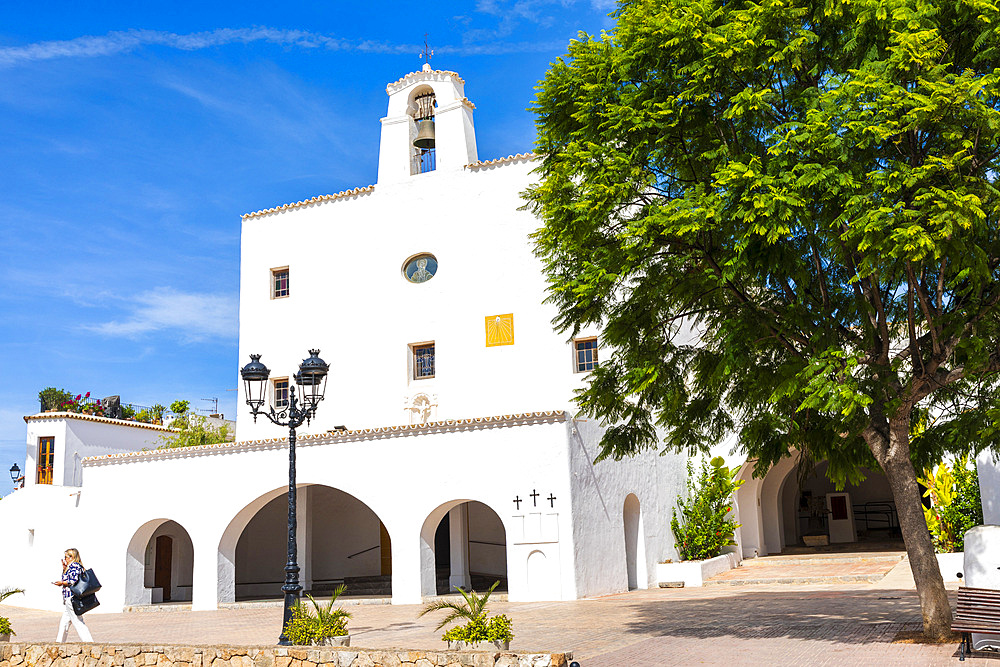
163	564
46	460
386	549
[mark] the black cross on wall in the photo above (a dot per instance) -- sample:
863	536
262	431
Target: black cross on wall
518	501
552	500
534	497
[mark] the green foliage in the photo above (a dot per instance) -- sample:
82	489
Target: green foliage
5	593
128	412
956	505
478	626
495	629
705	526
51	398
783	217
193	431
180	407
306	627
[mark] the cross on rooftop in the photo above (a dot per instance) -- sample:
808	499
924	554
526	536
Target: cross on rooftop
427	52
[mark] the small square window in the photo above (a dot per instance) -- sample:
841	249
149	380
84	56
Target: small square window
423	361
279	283
280	393
586	354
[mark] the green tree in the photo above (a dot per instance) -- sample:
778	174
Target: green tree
783	215
193	431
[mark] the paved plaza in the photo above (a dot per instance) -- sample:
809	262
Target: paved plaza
847	623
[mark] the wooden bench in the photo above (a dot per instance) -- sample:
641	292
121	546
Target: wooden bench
978	610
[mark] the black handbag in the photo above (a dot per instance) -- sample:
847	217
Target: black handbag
82	605
86	585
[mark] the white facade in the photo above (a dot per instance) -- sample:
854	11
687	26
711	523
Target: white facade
477	473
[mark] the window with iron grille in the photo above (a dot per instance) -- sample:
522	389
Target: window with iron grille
423	361
281	393
586	354
46	459
279	283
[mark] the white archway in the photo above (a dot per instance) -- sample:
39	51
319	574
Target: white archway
338	538
635	544
159	576
477	547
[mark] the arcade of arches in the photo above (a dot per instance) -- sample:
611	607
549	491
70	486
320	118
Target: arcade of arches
340	540
785	509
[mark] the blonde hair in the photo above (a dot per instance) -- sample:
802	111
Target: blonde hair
74	557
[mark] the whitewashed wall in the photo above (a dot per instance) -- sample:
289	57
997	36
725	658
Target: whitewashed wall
599	528
80	436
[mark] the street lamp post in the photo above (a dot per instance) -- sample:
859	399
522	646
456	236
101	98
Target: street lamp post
15	474
311	380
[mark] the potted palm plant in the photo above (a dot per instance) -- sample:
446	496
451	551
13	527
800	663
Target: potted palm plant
326	627
5	630
479	627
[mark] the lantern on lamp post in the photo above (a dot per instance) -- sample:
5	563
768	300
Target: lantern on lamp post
311	380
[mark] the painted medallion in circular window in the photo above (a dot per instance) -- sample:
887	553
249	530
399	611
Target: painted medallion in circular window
420	268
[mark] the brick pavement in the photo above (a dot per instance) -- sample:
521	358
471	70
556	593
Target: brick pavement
832	624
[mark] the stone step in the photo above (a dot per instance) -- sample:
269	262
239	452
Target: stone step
831	559
831	579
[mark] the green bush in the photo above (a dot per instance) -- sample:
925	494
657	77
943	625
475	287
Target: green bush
306	628
704	526
5	628
479	627
51	398
956	505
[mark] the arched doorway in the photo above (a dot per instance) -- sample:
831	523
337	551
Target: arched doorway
635	544
463	545
159	564
340	540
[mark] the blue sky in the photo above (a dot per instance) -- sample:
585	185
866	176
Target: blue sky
133	135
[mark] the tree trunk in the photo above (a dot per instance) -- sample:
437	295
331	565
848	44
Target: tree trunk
894	457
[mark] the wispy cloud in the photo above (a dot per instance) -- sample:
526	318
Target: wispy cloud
125	41
193	317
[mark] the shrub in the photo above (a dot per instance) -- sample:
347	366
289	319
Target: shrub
704	526
306	628
51	398
956	505
479	627
193	431
5	628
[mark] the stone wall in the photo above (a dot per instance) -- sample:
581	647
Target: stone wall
142	655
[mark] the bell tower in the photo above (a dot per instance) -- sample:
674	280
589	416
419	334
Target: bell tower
428	126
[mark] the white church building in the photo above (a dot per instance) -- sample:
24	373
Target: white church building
446	452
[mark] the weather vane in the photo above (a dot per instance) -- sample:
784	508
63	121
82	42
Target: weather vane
427	52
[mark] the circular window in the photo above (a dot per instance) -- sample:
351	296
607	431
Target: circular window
420	268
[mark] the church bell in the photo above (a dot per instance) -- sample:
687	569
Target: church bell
425	121
425	134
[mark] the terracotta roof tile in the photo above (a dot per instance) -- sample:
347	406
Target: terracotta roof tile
314	200
502	160
92	418
403	80
330	437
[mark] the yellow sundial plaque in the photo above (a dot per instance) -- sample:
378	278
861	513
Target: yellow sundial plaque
499	330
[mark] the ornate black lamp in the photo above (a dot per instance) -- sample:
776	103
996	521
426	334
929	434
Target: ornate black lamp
15	473
311	380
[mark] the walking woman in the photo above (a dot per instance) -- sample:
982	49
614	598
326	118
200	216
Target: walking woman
72	568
